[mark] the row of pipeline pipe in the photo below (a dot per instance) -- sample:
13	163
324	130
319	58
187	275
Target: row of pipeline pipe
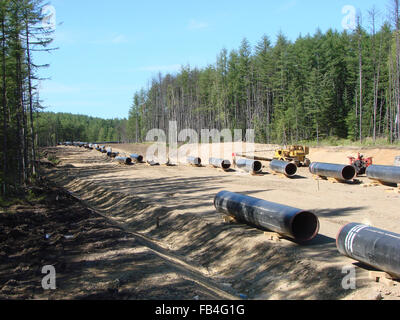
336	171
289	169
252	166
375	247
195	161
137	158
220	163
384	174
293	223
124	160
372	246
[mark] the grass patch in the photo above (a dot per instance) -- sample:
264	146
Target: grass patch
53	159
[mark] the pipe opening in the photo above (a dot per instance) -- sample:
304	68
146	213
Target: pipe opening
128	161
226	165
305	226
349	172
291	169
139	158
197	161
257	166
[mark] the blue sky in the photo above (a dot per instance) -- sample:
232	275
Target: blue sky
110	49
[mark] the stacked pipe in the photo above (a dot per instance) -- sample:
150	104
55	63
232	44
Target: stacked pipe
220	163
329	170
384	174
293	223
194	161
137	158
289	169
375	247
251	166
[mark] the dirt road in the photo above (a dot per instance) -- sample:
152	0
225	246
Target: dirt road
172	207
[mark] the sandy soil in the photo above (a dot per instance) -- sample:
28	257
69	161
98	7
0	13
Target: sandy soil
172	207
94	258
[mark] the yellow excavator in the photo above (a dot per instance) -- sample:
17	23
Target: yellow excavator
296	154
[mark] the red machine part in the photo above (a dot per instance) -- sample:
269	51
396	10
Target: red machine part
361	163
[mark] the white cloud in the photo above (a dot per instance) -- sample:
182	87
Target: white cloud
197	25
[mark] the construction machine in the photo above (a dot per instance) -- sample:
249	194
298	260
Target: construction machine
361	163
295	154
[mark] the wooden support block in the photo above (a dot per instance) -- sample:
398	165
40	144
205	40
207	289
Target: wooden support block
273	236
229	219
383	277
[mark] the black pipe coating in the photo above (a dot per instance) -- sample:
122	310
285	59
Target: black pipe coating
137	157
294	223
194	161
220	163
374	247
337	171
249	165
388	174
124	160
289	169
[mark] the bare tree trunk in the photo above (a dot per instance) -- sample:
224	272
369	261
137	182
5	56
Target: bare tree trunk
30	100
360	78
397	69
4	105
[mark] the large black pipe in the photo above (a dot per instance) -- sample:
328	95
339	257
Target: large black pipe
137	158
194	161
249	165
329	170
124	160
291	222
289	169
220	163
386	174
375	247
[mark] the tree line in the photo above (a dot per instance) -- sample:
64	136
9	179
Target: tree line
332	84
53	128
21	35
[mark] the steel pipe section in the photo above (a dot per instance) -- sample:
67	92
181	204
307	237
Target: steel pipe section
329	170
374	247
137	158
249	165
385	174
220	163
194	161
293	223
124	160
289	169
